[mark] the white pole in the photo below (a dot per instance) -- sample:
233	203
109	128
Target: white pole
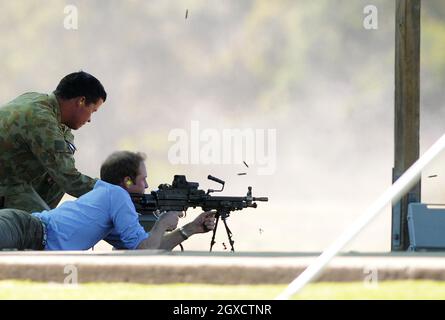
393	193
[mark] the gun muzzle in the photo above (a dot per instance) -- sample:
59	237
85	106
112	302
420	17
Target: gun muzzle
261	199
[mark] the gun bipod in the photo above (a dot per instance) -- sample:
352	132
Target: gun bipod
223	215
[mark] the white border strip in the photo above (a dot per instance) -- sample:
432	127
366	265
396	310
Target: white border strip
393	193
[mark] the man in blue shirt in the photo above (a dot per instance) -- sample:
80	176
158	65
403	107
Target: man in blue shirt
106	212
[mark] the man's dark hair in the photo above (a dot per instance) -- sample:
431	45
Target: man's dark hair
121	164
80	84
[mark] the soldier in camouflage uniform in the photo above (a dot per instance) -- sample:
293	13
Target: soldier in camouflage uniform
37	146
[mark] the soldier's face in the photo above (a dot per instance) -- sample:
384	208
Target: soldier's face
84	111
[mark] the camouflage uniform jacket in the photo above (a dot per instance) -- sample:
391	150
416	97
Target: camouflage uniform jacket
34	142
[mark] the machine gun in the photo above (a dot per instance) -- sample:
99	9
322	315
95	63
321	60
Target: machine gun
181	195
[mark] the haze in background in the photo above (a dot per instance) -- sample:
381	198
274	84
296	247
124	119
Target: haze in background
308	69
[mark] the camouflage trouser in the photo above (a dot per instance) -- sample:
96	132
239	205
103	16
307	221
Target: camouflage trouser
42	194
20	230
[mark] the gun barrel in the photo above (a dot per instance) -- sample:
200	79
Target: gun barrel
261	199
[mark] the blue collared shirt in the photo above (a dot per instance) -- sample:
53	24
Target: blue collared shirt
106	211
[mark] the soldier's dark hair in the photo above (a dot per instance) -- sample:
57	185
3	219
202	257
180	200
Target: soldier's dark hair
121	164
80	84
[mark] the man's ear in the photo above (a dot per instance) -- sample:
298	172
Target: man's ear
128	182
82	101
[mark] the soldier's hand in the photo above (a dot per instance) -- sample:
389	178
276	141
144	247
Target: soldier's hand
205	222
169	220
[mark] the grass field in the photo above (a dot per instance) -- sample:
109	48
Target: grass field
331	290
